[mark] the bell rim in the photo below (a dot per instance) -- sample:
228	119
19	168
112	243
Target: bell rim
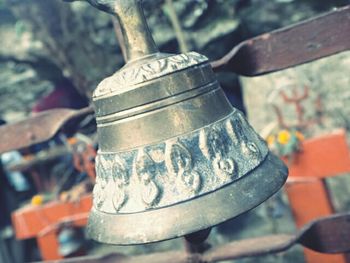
155	225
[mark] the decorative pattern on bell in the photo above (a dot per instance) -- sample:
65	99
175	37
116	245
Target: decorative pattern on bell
175	157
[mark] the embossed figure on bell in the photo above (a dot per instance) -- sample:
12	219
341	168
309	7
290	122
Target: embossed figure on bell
214	147
101	181
146	171
179	163
121	180
174	156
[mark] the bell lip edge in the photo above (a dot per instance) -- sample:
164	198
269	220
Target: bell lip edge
271	159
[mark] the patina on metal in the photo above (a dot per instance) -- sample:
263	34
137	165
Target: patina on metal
300	43
38	128
174	156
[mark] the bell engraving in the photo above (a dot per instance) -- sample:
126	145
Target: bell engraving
146	171
120	179
179	163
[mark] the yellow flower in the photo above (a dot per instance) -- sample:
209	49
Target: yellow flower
270	140
37	200
300	136
72	141
64	196
283	137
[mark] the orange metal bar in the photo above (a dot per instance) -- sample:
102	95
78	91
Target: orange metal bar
308	201
42	222
48	246
321	157
30	221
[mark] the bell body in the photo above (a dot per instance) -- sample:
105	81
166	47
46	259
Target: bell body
174	156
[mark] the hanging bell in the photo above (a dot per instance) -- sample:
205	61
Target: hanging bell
174	156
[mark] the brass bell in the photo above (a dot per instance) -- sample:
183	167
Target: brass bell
174	156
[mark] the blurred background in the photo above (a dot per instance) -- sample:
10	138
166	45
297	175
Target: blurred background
53	54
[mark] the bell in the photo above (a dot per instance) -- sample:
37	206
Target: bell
174	156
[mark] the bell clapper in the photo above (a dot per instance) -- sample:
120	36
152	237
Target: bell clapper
195	243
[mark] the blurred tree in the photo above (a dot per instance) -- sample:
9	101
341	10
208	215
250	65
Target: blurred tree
69	49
